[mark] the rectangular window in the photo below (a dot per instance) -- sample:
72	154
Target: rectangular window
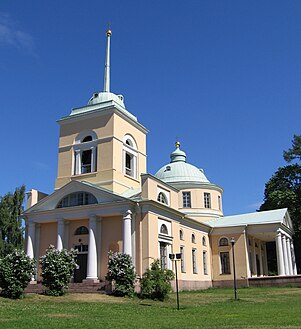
163	255
225	262
219	203
182	259
205	262
194	266
186	200
207	200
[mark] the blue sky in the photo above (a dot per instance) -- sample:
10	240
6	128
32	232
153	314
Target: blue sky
223	76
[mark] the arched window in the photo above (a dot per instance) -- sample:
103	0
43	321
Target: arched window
77	199
204	241
163	229
130	155
192	238
162	198
223	242
81	230
85	153
181	235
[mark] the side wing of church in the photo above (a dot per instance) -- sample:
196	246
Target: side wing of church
104	200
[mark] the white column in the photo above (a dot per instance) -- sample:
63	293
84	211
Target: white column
31	230
60	234
254	258
127	241
293	258
92	250
77	162
289	256
133	238
280	261
260	260
266	269
98	244
93	158
284	247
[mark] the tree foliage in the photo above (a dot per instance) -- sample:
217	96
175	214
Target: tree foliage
155	282
11	232
293	153
57	270
283	190
121	272
16	270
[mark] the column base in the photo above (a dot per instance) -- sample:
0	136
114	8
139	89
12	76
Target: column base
90	280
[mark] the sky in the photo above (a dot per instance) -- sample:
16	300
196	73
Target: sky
224	77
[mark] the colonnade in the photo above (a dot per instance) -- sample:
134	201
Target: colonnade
93	244
285	254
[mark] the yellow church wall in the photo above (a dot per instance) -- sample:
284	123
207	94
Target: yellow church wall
111	239
102	126
240	257
149	230
48	235
151	188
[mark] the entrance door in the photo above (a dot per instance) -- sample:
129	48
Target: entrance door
81	272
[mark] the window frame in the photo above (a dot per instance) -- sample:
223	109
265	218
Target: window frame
186	199
225	268
207	200
130	157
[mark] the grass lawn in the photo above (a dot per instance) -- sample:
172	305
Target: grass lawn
213	308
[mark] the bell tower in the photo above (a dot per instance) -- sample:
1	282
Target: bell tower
102	143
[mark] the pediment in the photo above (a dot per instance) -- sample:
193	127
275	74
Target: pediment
287	221
51	201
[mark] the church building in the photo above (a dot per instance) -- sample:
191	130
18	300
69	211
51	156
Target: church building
104	200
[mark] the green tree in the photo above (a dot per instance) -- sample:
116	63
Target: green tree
121	272
155	282
11	231
57	270
16	270
283	190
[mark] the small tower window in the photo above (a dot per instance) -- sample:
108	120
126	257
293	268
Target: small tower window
162	198
192	238
204	241
130	156
223	242
186	200
207	200
163	229
181	235
85	153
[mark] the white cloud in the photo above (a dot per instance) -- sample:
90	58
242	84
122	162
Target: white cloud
12	35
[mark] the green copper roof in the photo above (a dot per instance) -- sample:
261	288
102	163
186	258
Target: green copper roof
179	171
261	217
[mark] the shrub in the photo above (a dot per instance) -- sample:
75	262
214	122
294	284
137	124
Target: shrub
57	270
155	282
16	270
121	272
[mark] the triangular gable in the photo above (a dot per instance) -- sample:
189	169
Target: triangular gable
287	221
50	202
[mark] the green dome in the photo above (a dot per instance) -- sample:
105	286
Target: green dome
179	171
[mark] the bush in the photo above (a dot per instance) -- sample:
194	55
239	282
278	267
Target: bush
16	270
57	270
121	272
155	282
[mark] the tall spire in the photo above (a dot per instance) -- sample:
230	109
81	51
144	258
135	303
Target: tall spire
106	87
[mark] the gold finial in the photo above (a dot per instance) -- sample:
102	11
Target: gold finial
177	144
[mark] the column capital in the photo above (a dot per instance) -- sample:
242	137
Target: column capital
92	217
128	214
